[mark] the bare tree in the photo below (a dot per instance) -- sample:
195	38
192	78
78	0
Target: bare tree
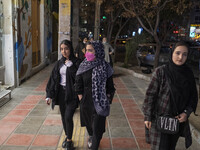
148	13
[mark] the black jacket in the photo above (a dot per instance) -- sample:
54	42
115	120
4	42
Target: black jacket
83	86
53	84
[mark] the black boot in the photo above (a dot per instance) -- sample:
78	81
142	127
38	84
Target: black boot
69	145
90	142
64	143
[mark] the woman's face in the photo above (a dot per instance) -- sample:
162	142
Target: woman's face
179	55
65	51
90	49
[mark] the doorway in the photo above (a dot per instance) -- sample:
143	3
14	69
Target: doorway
35	8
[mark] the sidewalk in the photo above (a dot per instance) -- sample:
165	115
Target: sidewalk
27	123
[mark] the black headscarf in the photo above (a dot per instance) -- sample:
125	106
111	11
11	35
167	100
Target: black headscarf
182	84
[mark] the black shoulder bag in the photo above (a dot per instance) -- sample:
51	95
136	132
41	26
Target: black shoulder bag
166	123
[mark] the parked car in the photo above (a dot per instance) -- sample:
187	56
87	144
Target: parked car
146	55
120	45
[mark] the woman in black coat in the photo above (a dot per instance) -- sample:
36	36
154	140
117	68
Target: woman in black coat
172	91
95	88
60	89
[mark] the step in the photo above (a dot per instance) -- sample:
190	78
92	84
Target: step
4	93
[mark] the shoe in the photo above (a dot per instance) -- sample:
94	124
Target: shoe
90	142
69	145
64	143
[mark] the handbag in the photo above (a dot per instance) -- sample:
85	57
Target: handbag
166	123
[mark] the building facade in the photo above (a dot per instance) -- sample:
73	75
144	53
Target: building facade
25	38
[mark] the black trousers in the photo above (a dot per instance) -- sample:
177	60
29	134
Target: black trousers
96	130
169	141
67	114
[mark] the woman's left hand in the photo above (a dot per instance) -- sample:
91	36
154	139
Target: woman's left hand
182	117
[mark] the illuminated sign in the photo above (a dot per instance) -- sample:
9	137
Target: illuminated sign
194	31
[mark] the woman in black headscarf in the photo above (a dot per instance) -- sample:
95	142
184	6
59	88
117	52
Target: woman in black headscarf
95	88
171	84
60	89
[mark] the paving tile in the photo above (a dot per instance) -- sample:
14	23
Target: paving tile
3	137
53	120
135	124
121	132
29	101
16	112
132	110
42	108
51	130
38	113
20	139
34	97
7	128
6	147
41	148
118	122
105	143
123	91
21	106
124	143
125	96
133	116
10	119
34	120
142	143
42	102
138	132
46	140
114	116
28	128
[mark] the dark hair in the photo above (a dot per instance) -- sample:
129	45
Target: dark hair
181	43
69	45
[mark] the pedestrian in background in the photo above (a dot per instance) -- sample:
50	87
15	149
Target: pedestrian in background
60	89
108	51
80	49
171	85
95	89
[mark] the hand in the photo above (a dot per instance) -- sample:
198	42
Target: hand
182	117
148	124
48	101
80	97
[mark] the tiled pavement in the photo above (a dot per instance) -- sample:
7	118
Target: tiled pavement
27	123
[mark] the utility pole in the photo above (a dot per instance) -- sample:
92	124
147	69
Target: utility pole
97	19
64	22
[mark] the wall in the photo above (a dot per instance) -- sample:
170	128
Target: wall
8	53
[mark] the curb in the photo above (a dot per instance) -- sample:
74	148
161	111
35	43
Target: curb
195	133
137	75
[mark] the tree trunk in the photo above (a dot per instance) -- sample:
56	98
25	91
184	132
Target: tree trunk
120	29
75	24
156	61
97	19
